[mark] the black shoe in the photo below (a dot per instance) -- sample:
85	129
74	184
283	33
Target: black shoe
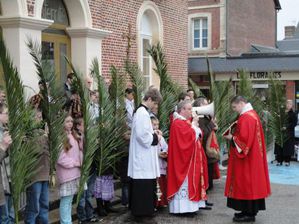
209	204
244	218
100	208
205	208
108	207
93	219
239	214
288	164
279	164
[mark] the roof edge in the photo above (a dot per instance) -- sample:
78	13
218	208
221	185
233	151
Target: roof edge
277	5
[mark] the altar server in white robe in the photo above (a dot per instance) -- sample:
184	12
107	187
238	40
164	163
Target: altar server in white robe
143	166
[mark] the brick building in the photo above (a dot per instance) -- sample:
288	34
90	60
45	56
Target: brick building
238	34
84	29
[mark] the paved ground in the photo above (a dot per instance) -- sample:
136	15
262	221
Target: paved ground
282	206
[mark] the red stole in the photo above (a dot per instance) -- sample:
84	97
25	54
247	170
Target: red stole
185	160
247	174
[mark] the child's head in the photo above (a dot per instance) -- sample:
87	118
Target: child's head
155	123
79	125
68	123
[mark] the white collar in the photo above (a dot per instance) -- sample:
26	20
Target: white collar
246	108
176	115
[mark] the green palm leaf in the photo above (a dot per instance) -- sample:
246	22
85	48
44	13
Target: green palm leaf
137	79
90	143
277	119
22	153
111	124
52	106
195	88
168	88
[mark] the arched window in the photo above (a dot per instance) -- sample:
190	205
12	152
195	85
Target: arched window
149	32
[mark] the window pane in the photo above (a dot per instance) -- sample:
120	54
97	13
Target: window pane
204	23
196	34
48	53
146	67
204	42
204	33
196	43
196	24
145	46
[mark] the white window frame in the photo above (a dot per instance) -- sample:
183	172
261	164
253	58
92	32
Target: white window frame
150	75
200	33
191	19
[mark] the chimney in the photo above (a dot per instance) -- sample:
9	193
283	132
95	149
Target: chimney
289	31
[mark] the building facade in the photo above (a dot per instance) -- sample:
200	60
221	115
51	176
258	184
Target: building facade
238	34
85	29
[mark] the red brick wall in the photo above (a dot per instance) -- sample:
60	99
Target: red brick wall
115	15
249	22
202	2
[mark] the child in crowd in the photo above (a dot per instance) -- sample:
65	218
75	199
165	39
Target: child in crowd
37	194
162	149
68	170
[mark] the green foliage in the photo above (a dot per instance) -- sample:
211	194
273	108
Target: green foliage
51	107
195	88
137	79
221	93
90	143
111	124
22	152
277	119
168	88
245	89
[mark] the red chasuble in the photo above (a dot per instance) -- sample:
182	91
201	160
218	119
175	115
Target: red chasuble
185	159
247	173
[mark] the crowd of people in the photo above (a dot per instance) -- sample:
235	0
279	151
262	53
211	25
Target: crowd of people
155	172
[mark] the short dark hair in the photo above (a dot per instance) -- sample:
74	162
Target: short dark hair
70	75
154	94
182	96
154	118
129	91
199	101
238	99
189	90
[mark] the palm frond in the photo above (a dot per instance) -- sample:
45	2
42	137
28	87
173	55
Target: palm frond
137	79
168	88
22	153
111	126
51	104
90	143
195	88
277	119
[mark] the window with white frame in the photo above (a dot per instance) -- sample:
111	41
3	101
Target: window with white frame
200	33
146	66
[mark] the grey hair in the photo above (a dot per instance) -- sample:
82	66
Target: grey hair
182	104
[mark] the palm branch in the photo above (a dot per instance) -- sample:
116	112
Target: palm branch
136	76
277	118
168	88
221	93
111	124
22	153
51	104
90	143
195	88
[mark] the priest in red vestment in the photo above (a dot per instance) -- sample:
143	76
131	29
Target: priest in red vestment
247	183
186	189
